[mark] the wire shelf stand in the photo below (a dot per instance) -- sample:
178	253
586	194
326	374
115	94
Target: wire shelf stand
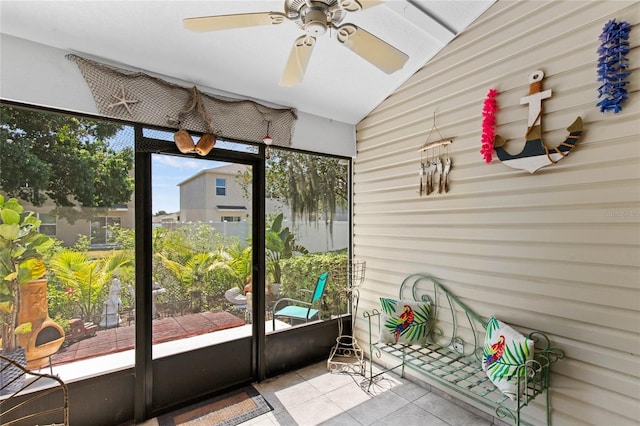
346	355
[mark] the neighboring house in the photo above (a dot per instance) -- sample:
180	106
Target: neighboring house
95	225
214	195
168	220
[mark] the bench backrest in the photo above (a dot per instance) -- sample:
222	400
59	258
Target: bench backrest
451	323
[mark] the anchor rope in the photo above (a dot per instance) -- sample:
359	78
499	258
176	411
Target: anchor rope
535	87
196	102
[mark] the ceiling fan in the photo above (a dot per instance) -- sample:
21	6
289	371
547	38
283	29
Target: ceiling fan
314	17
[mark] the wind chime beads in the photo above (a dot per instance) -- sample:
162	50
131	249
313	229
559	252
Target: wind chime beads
434	175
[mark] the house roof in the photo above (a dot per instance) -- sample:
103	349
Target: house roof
229	170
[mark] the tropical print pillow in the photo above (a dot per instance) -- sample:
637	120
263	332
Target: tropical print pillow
504	350
403	321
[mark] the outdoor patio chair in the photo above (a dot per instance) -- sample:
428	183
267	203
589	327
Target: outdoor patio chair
300	309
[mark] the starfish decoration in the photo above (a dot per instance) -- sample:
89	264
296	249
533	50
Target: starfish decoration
122	100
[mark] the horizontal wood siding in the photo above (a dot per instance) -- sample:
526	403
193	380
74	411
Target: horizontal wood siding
558	250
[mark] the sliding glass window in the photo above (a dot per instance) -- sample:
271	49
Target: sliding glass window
307	235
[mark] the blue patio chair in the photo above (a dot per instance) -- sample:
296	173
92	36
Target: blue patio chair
300	309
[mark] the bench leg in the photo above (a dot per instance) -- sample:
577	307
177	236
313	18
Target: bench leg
548	407
371	377
404	358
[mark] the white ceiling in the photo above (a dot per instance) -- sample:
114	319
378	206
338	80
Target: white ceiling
149	36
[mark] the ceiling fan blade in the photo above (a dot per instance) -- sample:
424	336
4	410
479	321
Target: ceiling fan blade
225	22
354	5
371	48
298	61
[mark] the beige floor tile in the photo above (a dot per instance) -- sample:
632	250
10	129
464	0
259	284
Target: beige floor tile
297	394
348	396
314	411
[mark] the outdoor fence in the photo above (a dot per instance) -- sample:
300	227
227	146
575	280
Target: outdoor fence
315	236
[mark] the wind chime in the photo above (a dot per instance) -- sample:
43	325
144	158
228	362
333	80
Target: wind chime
434	168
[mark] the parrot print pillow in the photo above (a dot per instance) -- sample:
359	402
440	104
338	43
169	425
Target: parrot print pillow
504	350
403	321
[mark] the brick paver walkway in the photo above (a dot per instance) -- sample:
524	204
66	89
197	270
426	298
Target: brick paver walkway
164	329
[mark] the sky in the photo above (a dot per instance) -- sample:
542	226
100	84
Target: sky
167	172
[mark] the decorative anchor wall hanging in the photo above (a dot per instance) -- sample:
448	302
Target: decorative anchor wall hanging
536	154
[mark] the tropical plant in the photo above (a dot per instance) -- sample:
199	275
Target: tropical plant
190	275
21	250
236	262
280	244
85	278
191	272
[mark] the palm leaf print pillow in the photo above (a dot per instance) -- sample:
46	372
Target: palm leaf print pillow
504	350
403	321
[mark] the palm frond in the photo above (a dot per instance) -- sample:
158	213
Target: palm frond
388	306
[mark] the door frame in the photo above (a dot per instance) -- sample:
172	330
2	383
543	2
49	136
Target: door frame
149	397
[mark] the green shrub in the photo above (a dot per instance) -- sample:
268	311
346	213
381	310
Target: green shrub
302	272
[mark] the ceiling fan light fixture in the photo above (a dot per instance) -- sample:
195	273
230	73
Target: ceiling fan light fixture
315	28
315	21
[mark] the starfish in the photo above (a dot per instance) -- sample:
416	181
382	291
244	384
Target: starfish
122	100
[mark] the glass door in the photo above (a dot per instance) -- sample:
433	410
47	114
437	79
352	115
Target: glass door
202	253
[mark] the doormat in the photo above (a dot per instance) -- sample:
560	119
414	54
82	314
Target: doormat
225	410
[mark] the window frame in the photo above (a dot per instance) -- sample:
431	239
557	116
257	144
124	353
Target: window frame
221	190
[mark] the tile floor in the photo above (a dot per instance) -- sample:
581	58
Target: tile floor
313	396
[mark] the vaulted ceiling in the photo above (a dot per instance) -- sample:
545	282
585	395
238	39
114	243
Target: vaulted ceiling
150	36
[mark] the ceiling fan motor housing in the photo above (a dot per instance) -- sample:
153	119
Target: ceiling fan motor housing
315	16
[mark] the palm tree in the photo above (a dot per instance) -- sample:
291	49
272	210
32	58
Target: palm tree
191	270
240	264
87	277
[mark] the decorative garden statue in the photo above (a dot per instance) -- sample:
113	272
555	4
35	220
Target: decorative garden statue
110	316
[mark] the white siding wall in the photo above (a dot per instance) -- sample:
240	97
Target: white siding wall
557	251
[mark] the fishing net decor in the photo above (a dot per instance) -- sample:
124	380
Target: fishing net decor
136	96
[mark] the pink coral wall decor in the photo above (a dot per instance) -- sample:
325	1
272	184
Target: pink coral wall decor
489	125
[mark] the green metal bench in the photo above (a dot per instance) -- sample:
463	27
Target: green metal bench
453	352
